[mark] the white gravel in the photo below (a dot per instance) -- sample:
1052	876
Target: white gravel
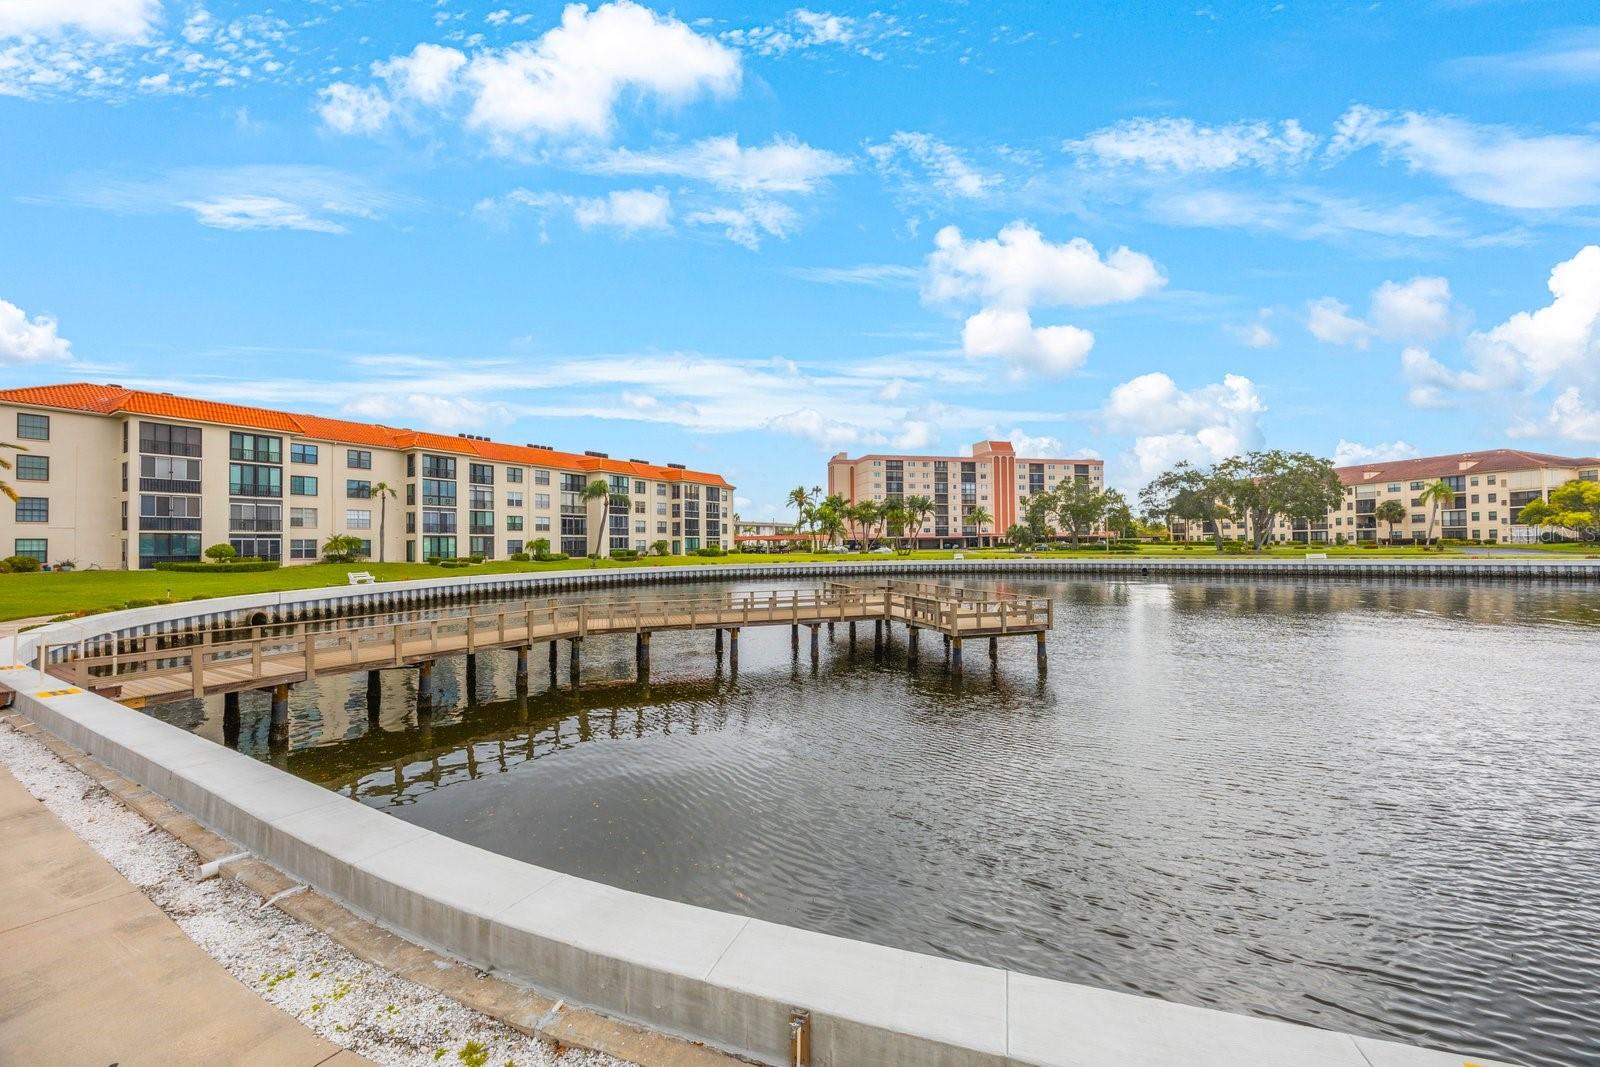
344	999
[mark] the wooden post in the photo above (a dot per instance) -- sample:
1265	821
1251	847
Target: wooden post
852	635
719	642
794	636
877	636
994	648
733	648
197	665
424	684
555	653
522	668
911	642
815	649
472	678
278	730
230	719
311	653
574	668
1040	651
955	654
641	653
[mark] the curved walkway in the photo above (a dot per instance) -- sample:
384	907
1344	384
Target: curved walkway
92	972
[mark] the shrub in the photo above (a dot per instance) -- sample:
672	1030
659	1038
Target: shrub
21	564
475	558
220	551
711	550
242	566
341	548
624	554
5	568
519	557
455	563
660	548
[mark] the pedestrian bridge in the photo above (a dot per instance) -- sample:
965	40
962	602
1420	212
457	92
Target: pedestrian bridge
152	668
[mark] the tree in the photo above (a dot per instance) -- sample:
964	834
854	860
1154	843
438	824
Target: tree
1262	487
1189	494
597	489
1017	534
803	501
383	491
1036	511
220	552
5	464
917	509
863	515
1436	494
830	519
341	548
1079	506
979	517
1574	505
659	547
1119	516
1390	512
895	519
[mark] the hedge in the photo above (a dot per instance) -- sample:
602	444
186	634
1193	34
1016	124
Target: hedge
221	568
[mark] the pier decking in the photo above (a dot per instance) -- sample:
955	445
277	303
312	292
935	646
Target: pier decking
221	659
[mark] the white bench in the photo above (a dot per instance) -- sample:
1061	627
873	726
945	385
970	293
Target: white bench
362	578
1316	555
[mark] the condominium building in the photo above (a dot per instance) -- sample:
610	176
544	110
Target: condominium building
1490	489
994	478
123	478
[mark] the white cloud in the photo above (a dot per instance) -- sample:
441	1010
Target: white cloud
1184	146
750	222
1569	418
802	30
916	434
116	19
783	165
353	109
1201	425
1430	381
1008	333
1350	453
947	172
1330	322
1559	340
1039	445
1020	268
812	425
565	84
1255	334
1415	310
24	340
630	210
1572	57
427	75
443	413
569	81
1493	164
880	275
258	213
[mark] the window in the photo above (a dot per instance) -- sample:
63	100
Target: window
255	448
33	509
357	488
358	459
541	477
166	440
481	522
513	474
303	548
303	453
439	493
303	518
541	501
33	468
258	547
640	488
356	519
169	513
248	479
439	467
254	518
1416	487
364	547
513	500
480	473
480	498
438	548
32	547
513	522
513	547
1491	498
168	547
302	485
1394	487
482	546
33	428
163	474
541	524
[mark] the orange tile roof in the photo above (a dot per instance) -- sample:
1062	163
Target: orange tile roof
1489	461
113	399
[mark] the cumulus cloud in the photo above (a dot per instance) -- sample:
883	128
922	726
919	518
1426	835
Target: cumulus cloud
1418	309
750	222
1350	453
565	84
1255	334
25	340
444	413
1020	270
1569	417
940	166
1185	146
783	165
1331	323
1559	340
1493	164
1170	424
1009	334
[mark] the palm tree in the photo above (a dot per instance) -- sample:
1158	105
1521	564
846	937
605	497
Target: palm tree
383	491
980	517
894	518
1018	535
831	522
864	516
597	490
5	465
803	501
1436	494
1391	512
918	508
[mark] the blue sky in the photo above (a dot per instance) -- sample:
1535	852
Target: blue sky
744	237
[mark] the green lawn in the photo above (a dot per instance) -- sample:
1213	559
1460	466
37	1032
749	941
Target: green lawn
29	595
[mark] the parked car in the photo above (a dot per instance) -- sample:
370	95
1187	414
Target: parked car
883	551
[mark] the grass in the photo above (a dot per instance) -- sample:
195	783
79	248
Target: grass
63	593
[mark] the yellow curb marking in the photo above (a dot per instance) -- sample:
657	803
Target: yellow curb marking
57	692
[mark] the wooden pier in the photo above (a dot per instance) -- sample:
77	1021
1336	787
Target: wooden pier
162	667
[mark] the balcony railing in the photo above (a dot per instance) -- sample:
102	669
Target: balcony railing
256	525
168	522
167	485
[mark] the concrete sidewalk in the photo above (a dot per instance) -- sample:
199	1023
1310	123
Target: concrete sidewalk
92	972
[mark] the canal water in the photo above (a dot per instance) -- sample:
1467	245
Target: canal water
1368	807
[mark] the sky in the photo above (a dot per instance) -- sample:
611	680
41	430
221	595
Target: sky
744	237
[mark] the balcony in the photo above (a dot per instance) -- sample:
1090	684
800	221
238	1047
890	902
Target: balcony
480	530
168	522
256	526
168	485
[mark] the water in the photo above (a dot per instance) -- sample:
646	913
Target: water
1373	808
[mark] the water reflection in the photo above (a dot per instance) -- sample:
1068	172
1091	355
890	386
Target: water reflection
1363	806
